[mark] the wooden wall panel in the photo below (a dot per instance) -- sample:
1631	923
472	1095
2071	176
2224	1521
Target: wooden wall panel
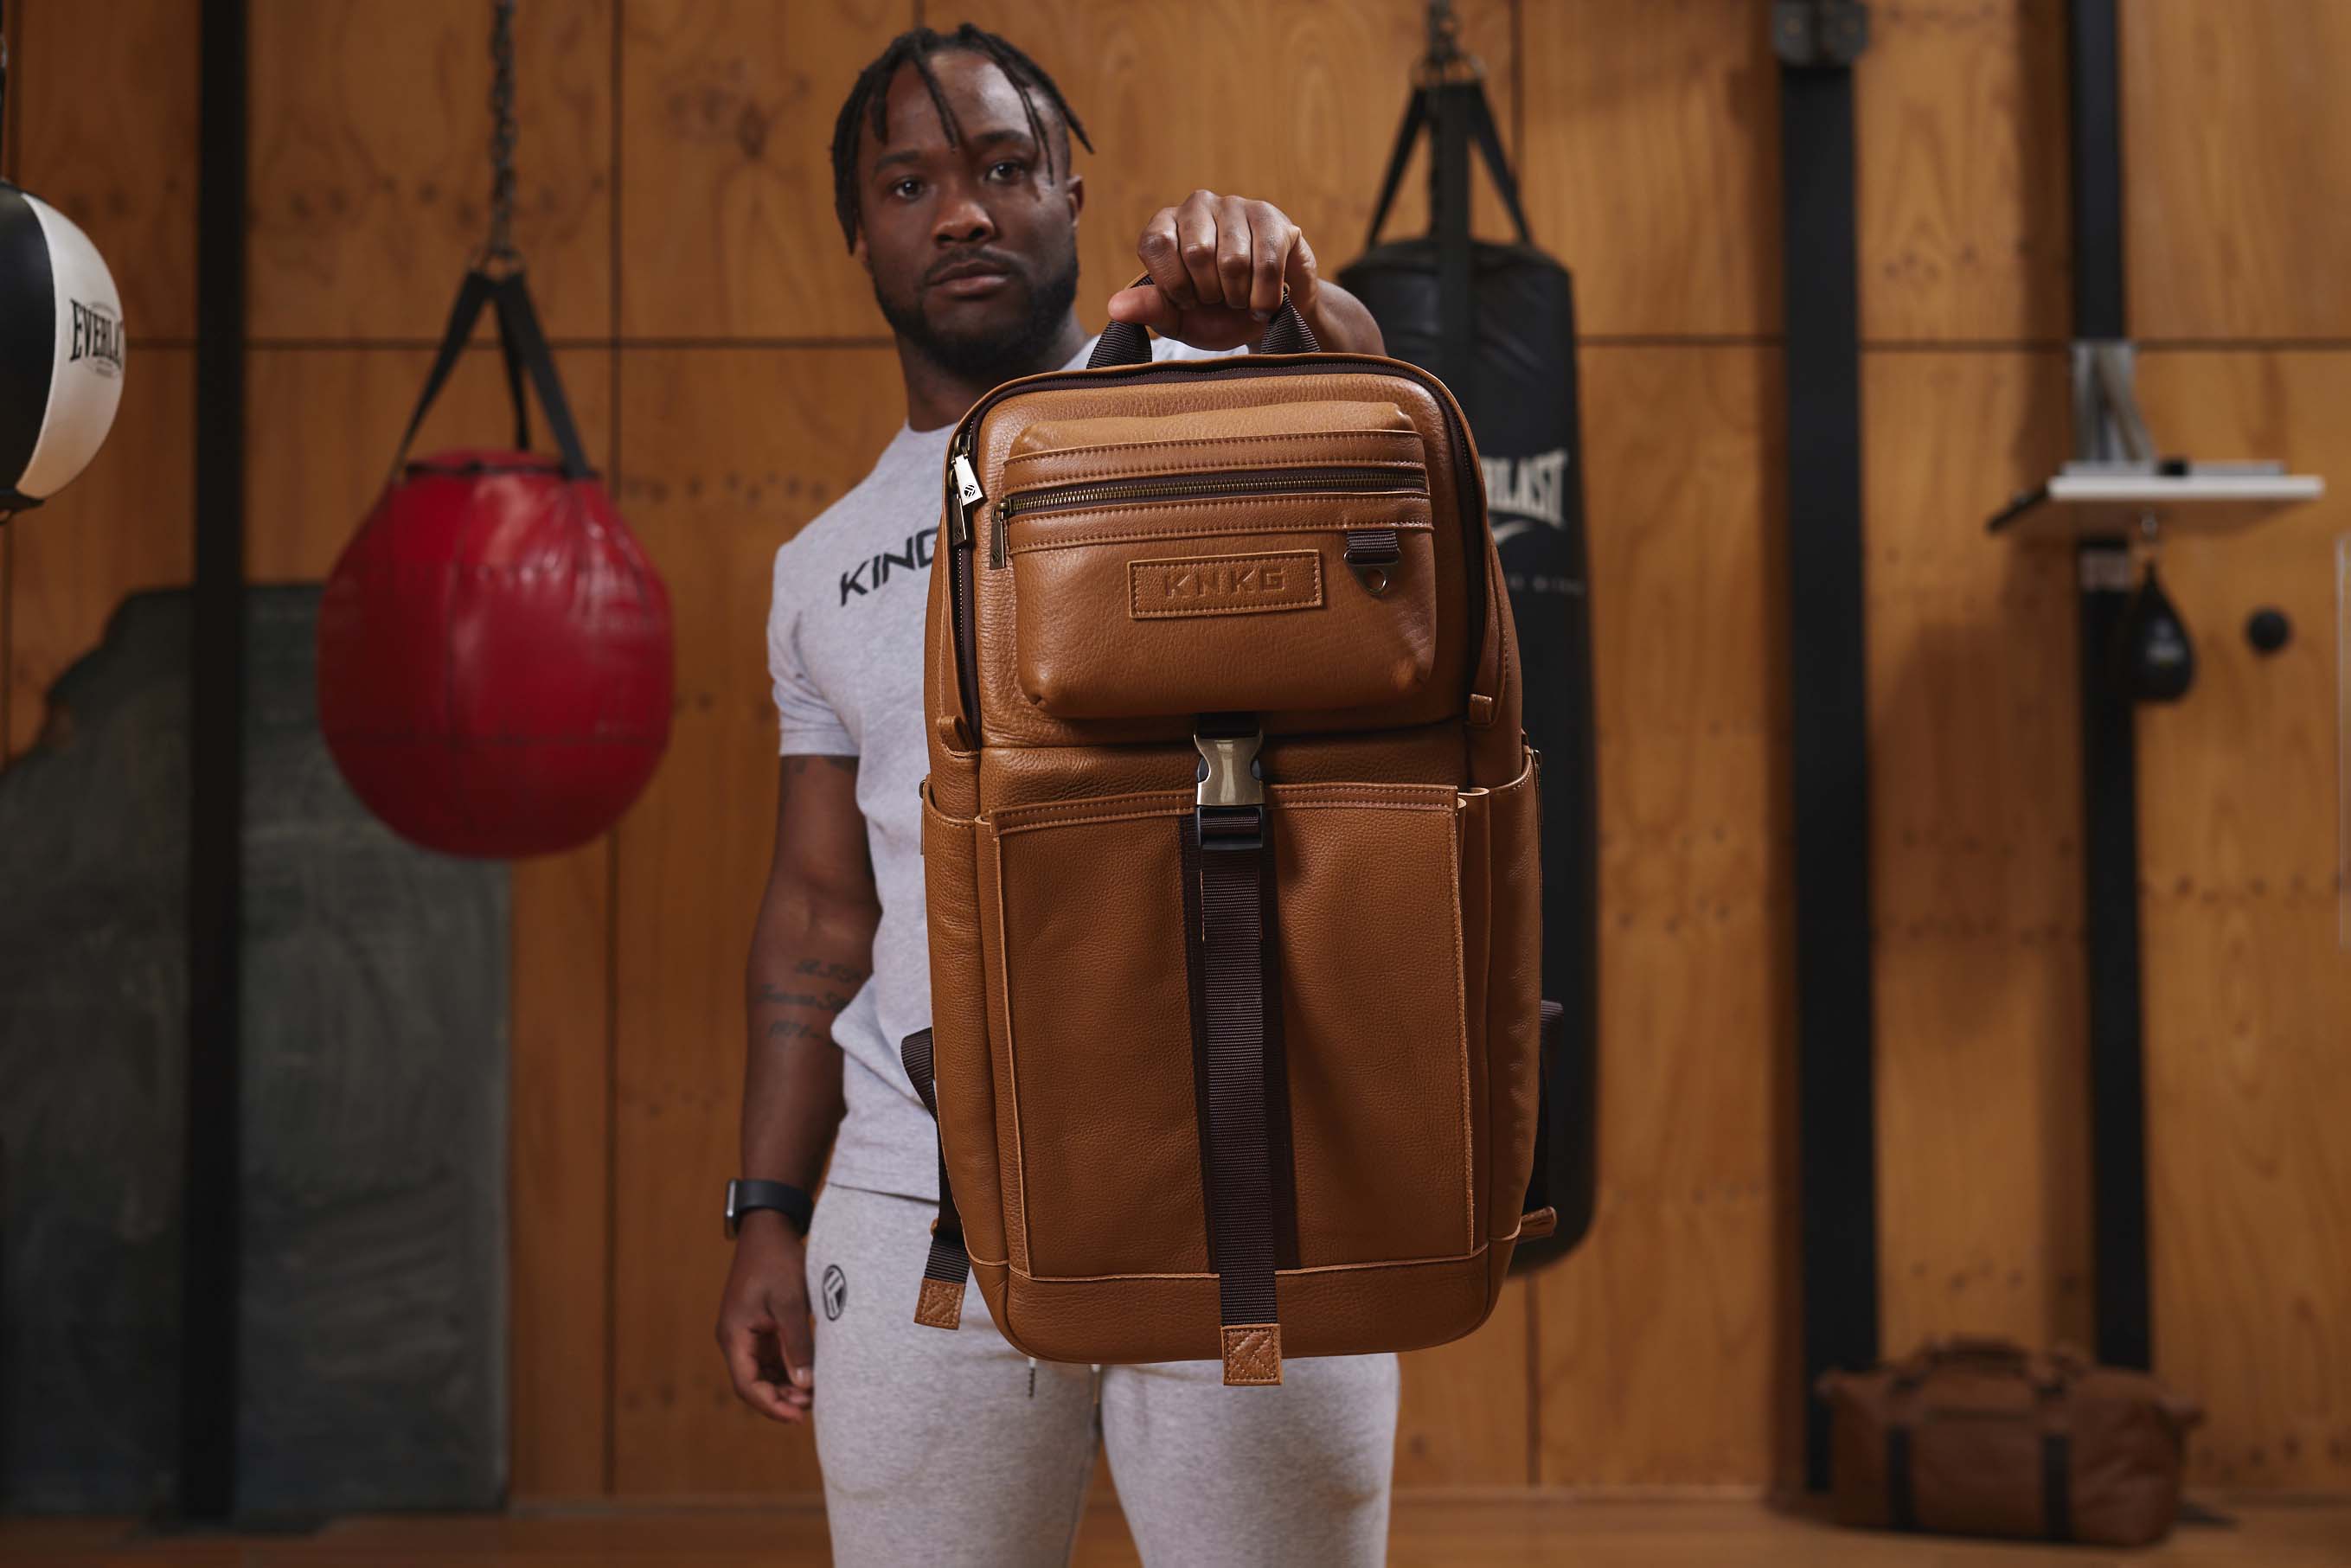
113	148
1658	1339
1959	132
2248	987
126	524
559	1355
1982	1153
1652	161
322	424
1314	145
728	107
726	453
2237	154
1467	1405
369	163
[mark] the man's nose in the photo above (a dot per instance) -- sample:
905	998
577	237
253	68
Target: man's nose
963	218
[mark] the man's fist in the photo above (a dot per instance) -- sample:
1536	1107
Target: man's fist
1218	265
763	1320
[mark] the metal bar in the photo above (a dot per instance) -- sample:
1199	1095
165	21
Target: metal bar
212	1273
2110	873
2096	121
2110	861
1837	1107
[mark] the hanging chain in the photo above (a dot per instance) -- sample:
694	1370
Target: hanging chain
501	246
1445	60
1444	33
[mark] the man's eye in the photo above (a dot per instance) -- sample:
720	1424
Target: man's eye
906	189
1006	170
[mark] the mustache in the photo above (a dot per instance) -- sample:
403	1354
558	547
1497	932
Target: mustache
1002	261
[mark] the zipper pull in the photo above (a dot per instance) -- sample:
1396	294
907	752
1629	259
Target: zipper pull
967	496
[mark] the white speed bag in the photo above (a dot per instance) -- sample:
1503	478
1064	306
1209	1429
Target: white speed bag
61	348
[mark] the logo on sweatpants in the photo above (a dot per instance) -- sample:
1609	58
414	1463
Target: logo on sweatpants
835	1291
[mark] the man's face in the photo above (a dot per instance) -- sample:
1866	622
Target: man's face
973	249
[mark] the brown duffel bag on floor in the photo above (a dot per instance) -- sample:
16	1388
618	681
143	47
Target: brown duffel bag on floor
1229	840
1982	1437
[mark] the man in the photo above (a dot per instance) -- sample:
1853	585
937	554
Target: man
953	188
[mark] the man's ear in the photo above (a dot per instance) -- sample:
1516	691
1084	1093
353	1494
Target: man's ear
1074	191
857	248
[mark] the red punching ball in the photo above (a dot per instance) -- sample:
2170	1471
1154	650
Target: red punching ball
493	647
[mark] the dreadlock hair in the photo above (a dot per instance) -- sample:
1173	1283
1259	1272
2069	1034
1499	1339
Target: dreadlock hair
867	104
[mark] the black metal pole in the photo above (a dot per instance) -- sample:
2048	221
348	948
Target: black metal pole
212	1274
1828	660
2110	862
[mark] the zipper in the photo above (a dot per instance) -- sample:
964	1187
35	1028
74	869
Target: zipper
963	485
1356	480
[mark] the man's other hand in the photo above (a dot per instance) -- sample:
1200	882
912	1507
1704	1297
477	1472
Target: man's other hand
763	1320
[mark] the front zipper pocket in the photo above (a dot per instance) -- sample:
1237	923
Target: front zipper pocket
1291	589
1354	479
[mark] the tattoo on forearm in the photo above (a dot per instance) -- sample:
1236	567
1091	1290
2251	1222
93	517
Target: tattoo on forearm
832	1000
820	1007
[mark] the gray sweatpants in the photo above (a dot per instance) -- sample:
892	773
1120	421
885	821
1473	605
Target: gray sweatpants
952	1448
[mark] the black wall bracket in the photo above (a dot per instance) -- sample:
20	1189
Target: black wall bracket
1829	710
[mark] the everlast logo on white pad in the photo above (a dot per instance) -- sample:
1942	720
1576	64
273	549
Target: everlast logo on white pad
98	337
1224	585
1526	490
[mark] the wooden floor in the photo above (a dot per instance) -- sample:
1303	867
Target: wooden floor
1454	1530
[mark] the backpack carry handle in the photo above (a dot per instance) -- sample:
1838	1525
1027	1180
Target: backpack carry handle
1128	343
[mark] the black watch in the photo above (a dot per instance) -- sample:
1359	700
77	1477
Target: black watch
743	1195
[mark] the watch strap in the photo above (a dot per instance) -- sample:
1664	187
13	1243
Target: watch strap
746	1194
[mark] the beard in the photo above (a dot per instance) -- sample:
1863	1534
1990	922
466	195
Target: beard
1014	349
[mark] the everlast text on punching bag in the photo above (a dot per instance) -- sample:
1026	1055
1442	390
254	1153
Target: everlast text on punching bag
1497	323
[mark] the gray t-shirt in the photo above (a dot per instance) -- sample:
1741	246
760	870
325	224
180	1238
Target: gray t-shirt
845	651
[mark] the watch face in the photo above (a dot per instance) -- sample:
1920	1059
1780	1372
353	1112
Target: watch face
732	1218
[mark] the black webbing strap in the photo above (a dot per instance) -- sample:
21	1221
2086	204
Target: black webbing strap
2056	1483
1240	1187
940	1304
1481	120
1237	1030
1901	1502
523	345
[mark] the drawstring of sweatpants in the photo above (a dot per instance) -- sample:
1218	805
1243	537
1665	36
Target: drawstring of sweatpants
1095	1367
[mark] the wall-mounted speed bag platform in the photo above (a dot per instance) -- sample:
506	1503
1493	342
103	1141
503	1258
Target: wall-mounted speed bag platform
61	350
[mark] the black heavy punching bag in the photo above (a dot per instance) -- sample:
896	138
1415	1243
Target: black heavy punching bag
1497	323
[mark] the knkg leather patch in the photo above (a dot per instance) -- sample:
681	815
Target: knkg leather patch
1224	584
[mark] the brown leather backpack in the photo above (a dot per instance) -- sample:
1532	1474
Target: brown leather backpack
1981	1437
1230	844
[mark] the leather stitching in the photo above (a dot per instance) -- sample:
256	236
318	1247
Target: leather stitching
1442	1260
939	1305
1149	448
1256	505
1253	1354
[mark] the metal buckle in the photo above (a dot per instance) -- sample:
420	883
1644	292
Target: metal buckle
1227	775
